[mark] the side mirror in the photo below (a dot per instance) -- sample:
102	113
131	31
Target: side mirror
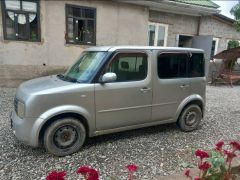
108	77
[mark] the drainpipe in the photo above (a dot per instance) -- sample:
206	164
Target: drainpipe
199	24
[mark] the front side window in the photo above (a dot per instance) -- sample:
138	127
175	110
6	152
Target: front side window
81	25
157	34
129	66
172	65
21	20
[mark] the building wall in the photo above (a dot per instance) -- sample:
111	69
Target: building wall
188	25
116	24
219	29
177	24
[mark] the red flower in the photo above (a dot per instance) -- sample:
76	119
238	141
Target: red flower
235	145
54	175
88	173
205	166
83	170
132	167
196	178
92	175
230	155
219	145
187	173
201	154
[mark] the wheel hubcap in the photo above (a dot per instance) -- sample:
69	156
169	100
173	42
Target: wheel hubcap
191	118
65	137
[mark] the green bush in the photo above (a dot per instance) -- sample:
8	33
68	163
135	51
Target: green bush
232	44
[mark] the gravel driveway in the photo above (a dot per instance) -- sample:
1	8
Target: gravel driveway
157	151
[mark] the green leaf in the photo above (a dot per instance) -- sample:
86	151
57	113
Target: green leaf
215	154
186	165
216	176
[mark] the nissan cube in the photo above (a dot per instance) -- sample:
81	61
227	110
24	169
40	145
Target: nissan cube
111	89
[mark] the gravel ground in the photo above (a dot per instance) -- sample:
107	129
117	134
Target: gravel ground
157	151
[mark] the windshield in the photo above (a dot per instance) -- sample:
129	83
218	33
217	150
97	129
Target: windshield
85	67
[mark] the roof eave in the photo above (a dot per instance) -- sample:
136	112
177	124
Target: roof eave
174	7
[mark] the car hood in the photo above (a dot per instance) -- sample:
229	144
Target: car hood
39	86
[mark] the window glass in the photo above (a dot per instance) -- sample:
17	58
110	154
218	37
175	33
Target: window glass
129	67
196	65
172	65
21	20
161	36
29	6
213	48
10	32
21	27
33	27
157	34
151	35
12	4
81	25
86	66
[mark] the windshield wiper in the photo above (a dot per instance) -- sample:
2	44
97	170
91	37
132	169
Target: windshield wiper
70	79
60	76
66	78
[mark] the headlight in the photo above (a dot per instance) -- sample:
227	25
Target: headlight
20	110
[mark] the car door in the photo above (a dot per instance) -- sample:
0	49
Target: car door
128	100
171	84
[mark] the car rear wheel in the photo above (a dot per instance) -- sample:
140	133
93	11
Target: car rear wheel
190	118
64	136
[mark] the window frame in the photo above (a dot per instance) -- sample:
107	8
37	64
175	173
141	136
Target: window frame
125	52
4	11
67	6
156	34
216	45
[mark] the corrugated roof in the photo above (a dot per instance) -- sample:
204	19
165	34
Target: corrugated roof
203	3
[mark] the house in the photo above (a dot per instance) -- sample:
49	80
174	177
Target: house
44	37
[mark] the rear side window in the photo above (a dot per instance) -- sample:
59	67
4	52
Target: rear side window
196	65
129	66
172	65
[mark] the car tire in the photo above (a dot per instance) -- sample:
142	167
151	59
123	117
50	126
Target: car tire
190	118
64	136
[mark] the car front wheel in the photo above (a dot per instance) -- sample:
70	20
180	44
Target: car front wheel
64	136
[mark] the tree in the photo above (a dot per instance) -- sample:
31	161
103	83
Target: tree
235	11
232	44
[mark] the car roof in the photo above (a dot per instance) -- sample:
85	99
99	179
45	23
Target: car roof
114	48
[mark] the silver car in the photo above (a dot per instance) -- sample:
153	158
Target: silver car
111	89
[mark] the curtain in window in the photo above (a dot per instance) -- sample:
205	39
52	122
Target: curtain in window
26	6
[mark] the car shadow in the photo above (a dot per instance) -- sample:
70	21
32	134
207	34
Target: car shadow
108	138
130	134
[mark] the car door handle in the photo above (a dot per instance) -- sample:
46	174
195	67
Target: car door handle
145	89
184	86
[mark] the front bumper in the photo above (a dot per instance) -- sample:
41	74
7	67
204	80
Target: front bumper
22	129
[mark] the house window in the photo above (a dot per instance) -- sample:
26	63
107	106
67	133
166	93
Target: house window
80	25
157	34
214	46
21	20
